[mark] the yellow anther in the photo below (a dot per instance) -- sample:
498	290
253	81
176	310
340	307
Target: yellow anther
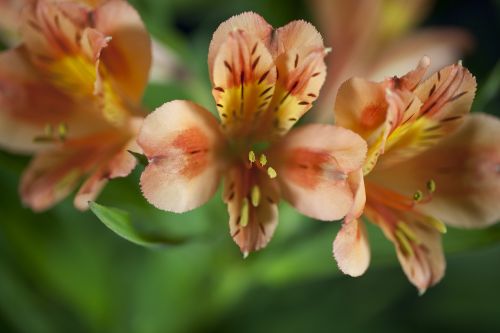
263	160
255	196
417	196
62	130
271	173
408	232
436	224
404	243
245	213
251	156
431	186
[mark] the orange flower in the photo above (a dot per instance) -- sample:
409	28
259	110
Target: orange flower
263	81
422	168
377	38
70	94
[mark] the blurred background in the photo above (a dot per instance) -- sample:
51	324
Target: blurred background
64	271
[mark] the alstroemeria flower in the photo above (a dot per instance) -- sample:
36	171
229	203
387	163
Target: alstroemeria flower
70	94
417	174
263	81
378	38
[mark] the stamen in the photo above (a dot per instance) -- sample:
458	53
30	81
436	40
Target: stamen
417	196
410	234
245	213
255	196
62	131
405	244
271	173
431	186
436	224
263	160
251	156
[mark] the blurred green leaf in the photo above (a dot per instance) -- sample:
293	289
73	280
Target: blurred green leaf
119	222
143	160
489	90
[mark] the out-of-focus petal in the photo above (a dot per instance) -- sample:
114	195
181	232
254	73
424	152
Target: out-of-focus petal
250	22
299	54
314	163
127	58
243	82
253	217
443	46
465	168
181	141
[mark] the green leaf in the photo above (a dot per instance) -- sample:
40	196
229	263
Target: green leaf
143	160
119	221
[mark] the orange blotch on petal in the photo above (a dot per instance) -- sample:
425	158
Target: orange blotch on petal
194	143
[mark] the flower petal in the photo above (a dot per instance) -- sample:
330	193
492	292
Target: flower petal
465	168
314	164
299	54
249	22
351	249
243	82
181	141
128	56
252	217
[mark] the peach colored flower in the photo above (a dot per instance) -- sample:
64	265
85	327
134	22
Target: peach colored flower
70	94
422	168
263	81
377	38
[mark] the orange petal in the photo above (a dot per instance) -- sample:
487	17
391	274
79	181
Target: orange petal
249	22
314	163
51	176
251	226
181	141
446	96
351	249
427	265
418	243
465	168
119	166
299	54
128	55
243	78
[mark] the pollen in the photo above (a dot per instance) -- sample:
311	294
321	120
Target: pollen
271	173
431	186
417	196
245	213
62	131
263	160
251	156
255	196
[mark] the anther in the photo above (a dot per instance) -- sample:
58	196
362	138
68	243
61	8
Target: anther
263	160
245	213
417	196
271	173
251	156
431	186
436	224
48	130
408	232
62	131
404	243
255	196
